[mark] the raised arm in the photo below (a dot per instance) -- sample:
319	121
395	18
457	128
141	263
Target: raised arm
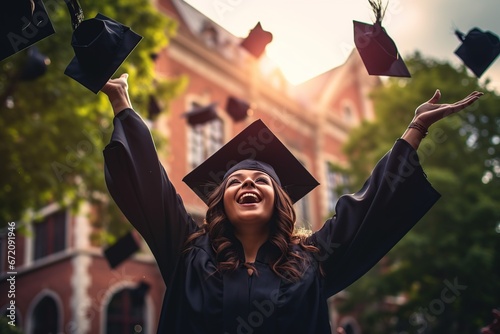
139	184
368	223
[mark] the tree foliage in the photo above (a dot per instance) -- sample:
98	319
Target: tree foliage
446	271
53	128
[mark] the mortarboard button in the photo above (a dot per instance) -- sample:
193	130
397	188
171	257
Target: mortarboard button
125	247
201	114
22	24
256	143
101	45
35	66
378	51
237	108
257	40
478	50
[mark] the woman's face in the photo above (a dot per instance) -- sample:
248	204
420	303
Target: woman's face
249	198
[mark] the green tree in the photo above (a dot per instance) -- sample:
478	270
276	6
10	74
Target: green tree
53	128
447	268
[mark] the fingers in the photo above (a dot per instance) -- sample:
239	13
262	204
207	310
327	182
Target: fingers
469	99
464	103
435	98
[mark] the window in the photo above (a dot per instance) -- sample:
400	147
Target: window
302	211
348	116
334	183
126	311
50	234
45	317
204	140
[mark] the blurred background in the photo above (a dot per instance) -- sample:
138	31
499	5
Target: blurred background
204	70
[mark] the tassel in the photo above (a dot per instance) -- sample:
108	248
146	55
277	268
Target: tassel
378	10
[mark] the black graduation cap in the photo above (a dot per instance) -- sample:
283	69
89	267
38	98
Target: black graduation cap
237	108
478	50
35	65
258	143
125	247
201	114
140	292
154	108
378	51
257	40
101	45
22	24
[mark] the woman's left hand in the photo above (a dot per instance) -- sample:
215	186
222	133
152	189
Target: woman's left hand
430	112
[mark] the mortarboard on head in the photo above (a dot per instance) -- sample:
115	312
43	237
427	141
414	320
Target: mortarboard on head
255	148
125	247
201	114
478	50
22	24
257	40
101	45
376	48
237	108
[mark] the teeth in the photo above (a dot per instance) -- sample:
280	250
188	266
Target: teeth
248	195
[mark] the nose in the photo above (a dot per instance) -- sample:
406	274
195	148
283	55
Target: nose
248	182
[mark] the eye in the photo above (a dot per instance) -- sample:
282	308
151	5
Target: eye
232	181
262	180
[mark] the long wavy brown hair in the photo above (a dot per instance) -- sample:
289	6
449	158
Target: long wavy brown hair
289	264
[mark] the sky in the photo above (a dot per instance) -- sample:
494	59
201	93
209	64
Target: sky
311	37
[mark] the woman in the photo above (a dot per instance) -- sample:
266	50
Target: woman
244	270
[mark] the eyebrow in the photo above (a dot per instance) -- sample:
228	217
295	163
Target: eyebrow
258	172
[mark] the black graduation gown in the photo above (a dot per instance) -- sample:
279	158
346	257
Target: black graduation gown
199	299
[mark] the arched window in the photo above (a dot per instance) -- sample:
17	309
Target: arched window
45	318
204	140
126	311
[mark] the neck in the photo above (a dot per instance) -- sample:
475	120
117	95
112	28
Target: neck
251	239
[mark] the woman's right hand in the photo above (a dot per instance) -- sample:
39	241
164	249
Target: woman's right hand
117	92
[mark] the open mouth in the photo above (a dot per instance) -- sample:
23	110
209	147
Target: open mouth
248	198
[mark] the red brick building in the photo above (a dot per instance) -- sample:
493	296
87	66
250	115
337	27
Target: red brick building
63	284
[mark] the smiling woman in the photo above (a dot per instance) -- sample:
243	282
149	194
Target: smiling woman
246	270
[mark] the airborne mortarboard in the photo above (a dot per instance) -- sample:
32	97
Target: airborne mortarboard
376	48
257	40
125	247
256	148
478	50
22	24
237	108
201	114
35	65
101	45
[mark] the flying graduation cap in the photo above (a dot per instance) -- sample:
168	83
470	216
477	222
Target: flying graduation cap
254	148
124	248
35	65
22	24
201	114
257	40
376	48
238	109
101	45
478	50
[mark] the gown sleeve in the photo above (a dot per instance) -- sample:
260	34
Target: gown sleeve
140	187
368	223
